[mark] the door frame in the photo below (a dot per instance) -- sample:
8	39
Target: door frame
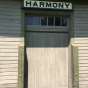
73	48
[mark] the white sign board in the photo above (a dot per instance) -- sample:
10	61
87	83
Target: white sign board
46	4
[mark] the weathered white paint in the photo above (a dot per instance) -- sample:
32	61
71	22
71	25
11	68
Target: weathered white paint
10	32
81	39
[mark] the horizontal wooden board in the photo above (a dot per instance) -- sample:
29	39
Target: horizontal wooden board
8	54
80	11
81	42
80	19
80	35
9	43
83	86
83	48
83	82
9	46
8	85
81	39
8	62
9	36
10	17
9	21
8	66
10	32
80	22
81	16
81	25
83	51
81	45
16	2
10	24
9	58
9	70
10	28
83	72
83	57
83	79
81	31
82	64
83	75
8	73
10	9
83	68
3	39
8	81
8	78
10	5
9	50
10	13
78	14
80	28
83	61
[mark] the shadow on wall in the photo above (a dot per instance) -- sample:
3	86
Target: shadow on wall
26	72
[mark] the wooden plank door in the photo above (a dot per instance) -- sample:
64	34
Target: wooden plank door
47	56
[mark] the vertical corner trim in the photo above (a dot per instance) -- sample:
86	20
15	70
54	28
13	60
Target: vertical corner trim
75	68
21	66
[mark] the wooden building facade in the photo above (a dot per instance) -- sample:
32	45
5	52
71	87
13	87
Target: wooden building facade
61	52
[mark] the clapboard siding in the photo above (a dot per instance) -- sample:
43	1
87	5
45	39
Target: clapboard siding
9	47
9	43
9	86
8	62
10	34
83	65
9	39
81	39
7	28
8	58
8	82
9	50
9	70
9	66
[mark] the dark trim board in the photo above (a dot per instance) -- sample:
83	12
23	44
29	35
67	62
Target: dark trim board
73	49
25	8
76	2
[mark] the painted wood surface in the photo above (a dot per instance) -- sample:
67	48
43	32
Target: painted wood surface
10	32
75	66
10	27
81	39
47	56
